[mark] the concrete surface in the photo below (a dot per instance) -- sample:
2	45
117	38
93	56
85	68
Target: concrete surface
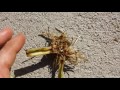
99	40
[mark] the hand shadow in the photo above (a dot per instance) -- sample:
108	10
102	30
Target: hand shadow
46	60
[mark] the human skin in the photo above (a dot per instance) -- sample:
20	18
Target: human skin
9	47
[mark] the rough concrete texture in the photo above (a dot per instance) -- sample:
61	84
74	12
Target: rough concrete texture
99	40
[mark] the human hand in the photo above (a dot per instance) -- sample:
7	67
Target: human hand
9	47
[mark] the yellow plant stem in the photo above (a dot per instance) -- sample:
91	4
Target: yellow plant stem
38	49
38	53
60	70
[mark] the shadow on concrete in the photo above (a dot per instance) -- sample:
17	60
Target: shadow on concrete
46	60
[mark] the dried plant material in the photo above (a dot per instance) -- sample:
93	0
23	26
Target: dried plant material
61	47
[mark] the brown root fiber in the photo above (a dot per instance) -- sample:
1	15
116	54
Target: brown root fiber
62	48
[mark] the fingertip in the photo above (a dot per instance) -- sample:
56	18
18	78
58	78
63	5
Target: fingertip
5	35
11	48
7	30
22	37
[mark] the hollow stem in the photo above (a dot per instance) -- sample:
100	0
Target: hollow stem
38	53
38	49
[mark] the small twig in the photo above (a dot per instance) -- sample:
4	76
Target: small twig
59	30
76	40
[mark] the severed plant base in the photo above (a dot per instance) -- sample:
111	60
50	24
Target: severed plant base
61	47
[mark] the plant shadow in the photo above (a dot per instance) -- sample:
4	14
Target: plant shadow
46	60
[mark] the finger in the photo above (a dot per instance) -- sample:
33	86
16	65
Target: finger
5	35
4	72
11	48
